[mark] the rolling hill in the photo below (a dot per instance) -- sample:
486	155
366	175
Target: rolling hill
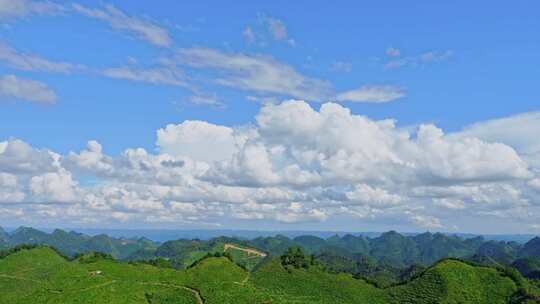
41	275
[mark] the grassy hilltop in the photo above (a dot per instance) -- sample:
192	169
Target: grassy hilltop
41	275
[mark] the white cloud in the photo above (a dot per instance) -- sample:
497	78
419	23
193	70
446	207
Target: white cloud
418	60
92	159
249	34
54	187
9	190
268	28
278	30
31	62
197	140
142	28
296	212
155	75
333	146
293	164
256	73
469	158
365	194
535	184
476	197
269	79
341	66
8	180
393	52
519	131
372	94
18	157
12	86
33	175
450	203
429	222
149	75
22	8
206	100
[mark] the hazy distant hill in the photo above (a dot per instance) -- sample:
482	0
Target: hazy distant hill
72	243
531	248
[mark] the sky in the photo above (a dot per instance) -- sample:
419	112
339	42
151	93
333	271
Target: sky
362	116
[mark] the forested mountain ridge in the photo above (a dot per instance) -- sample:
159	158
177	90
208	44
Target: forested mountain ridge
72	243
386	258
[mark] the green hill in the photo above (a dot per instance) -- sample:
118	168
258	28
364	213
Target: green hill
41	275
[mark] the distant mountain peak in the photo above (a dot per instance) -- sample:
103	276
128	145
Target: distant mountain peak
3	235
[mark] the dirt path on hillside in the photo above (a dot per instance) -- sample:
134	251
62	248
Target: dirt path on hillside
195	292
246	250
18	278
244	281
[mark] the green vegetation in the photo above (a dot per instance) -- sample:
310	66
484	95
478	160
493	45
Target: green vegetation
41	275
390	268
244	257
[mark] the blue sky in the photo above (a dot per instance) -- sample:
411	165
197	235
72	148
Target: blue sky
118	71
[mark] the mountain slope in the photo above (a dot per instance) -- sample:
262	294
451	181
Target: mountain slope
40	275
531	248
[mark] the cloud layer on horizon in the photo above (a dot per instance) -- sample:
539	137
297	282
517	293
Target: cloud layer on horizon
295	164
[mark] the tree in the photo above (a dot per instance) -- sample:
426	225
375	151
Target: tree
295	257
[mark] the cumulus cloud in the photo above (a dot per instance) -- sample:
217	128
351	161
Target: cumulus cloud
296	212
92	159
54	186
117	19
518	131
12	86
197	140
19	158
9	190
293	164
365	194
33	175
296	144
372	94
22	160
467	159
